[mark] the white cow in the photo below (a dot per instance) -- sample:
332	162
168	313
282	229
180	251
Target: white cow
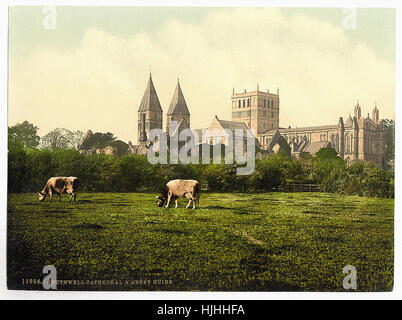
59	185
175	189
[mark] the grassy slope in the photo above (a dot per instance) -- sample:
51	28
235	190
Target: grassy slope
242	242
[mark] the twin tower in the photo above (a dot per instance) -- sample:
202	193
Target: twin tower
150	113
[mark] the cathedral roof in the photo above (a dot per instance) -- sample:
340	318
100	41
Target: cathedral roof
314	147
349	121
183	124
150	101
300	130
178	104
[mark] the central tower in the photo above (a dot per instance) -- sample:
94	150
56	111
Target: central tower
257	109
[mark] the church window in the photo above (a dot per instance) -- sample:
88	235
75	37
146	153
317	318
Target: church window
272	115
347	144
264	103
244	103
337	142
248	102
239	102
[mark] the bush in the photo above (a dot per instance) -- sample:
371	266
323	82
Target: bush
268	174
29	169
365	179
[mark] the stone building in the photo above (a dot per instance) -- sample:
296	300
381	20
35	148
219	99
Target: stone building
357	138
149	113
257	109
178	110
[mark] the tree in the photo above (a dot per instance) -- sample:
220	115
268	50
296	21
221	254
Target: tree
268	174
326	154
92	142
76	139
328	169
120	147
18	172
58	138
24	134
388	146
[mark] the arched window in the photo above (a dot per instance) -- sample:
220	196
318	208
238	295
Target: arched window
239	101
337	142
244	103
351	143
347	143
248	102
264	102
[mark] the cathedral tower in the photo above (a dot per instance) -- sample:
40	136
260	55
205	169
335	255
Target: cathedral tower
257	109
149	113
178	110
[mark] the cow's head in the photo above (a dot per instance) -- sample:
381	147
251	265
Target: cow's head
42	196
161	201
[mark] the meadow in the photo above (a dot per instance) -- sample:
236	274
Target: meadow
233	242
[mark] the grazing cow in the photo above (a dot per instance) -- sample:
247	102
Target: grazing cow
59	185
189	189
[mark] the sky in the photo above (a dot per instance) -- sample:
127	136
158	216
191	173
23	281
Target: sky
91	70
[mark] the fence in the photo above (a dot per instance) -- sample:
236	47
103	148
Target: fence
299	187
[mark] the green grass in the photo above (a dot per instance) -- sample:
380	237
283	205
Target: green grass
234	242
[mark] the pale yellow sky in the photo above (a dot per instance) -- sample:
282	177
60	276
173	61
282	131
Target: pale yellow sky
94	77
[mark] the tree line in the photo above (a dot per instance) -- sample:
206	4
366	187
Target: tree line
29	167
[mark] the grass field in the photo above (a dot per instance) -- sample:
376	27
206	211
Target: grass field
234	242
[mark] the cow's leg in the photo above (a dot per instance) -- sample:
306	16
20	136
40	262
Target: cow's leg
60	197
190	198
71	196
50	195
189	202
168	200
177	201
194	202
75	196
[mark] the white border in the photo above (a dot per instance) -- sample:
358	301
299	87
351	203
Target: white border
34	295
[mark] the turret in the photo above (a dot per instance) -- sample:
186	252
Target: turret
358	110
376	114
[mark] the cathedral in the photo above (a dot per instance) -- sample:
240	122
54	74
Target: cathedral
357	138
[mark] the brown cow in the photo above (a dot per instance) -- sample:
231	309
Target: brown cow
59	185
189	189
